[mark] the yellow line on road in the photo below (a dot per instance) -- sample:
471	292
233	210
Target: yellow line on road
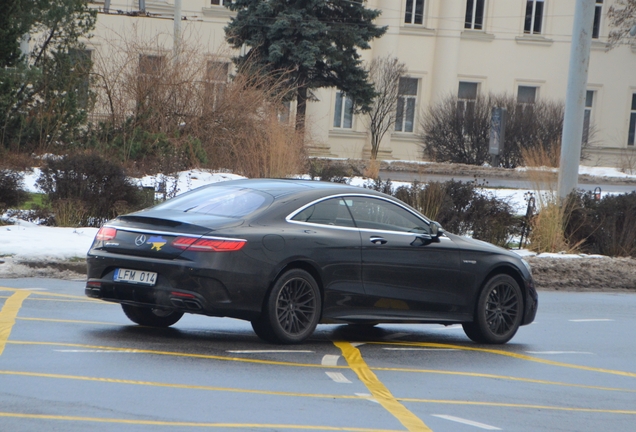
180	386
378	390
52	294
186	424
308	395
308	365
8	314
178	354
69	321
511	354
511	405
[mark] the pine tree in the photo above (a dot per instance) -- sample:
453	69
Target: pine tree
309	43
43	95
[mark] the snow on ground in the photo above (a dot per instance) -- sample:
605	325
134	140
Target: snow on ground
28	241
24	241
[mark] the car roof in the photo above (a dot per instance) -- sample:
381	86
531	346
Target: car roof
285	187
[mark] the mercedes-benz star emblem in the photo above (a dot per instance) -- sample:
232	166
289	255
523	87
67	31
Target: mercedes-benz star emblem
141	239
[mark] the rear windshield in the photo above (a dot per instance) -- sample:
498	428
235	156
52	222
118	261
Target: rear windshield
219	201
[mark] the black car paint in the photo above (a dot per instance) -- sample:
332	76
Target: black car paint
368	284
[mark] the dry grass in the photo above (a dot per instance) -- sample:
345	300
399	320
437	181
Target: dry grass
201	116
433	200
372	169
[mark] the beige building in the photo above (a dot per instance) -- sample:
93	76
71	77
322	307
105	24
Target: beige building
462	47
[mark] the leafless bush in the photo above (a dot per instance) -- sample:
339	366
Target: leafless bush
459	131
385	74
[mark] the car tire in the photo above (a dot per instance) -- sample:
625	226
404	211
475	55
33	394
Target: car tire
151	317
292	309
498	312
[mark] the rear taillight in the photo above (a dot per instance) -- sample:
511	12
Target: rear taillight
207	245
105	234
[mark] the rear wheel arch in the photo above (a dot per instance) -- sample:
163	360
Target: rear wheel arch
302	265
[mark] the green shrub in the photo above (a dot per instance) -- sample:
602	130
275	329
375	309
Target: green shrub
100	186
11	192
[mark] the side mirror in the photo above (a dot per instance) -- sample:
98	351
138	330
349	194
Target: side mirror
436	229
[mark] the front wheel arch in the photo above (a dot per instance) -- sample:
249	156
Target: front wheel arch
502	269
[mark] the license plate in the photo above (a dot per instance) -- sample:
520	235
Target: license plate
135	276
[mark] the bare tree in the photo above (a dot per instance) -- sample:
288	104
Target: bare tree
384	74
622	17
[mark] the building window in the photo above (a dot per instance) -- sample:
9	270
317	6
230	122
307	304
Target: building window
81	61
587	116
150	70
219	2
284	112
534	16
474	14
632	122
150	65
343	116
598	10
407	95
414	12
466	97
526	95
216	81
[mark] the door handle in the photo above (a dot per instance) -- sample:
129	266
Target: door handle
376	240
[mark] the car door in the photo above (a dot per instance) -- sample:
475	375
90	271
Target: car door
327	235
403	272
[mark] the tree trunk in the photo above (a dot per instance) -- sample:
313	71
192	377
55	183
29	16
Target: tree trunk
301	108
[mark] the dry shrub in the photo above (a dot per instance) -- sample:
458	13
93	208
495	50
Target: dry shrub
69	212
548	234
372	170
244	133
160	105
542	156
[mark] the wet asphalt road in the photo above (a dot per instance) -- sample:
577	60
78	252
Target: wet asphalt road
69	363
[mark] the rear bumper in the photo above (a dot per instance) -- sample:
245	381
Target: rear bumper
180	285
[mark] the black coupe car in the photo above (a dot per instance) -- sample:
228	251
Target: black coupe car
287	255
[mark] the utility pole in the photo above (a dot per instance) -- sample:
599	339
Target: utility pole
575	97
177	29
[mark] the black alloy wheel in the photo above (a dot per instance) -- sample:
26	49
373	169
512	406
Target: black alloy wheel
498	313
292	309
151	317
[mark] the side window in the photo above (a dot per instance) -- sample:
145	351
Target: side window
632	123
373	213
328	212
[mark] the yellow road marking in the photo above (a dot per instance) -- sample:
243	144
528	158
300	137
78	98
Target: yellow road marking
51	294
308	365
181	386
512	405
8	314
513	355
378	390
310	395
68	321
187	424
178	354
